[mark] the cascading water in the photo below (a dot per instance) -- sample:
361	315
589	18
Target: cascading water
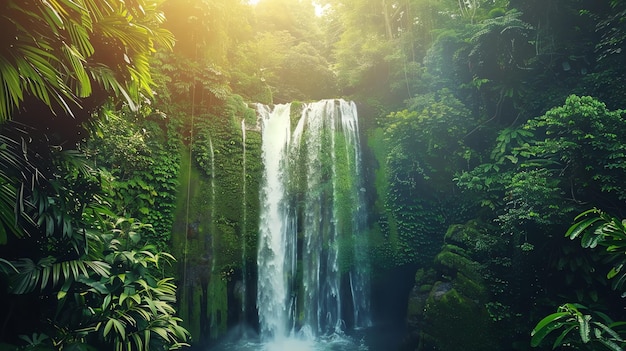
244	214
359	277
214	317
311	228
212	214
274	228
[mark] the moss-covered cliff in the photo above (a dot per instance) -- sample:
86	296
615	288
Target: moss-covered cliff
216	221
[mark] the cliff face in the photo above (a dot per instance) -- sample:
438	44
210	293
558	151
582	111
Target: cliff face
216	230
216	223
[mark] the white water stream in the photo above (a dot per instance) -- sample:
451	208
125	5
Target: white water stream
244	221
311	279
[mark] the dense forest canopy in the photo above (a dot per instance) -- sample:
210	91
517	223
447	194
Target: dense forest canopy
493	133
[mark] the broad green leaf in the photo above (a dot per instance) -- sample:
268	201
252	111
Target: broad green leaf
575	230
106	302
608	330
107	327
120	328
590	239
546	326
137	340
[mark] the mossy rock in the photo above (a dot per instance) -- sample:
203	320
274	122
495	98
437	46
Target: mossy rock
425	276
453	321
415	309
425	288
455	249
455	262
474	290
474	237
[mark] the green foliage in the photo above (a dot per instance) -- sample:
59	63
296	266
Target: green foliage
597	228
425	144
581	139
48	202
18	171
579	328
114	297
511	36
541	171
59	38
140	158
428	137
71	260
316	81
71	55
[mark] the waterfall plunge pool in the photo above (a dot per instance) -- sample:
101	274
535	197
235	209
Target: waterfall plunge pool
330	343
376	338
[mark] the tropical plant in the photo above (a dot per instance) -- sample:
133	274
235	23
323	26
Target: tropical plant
138	155
595	229
116	297
67	56
17	171
43	191
62	59
62	51
593	327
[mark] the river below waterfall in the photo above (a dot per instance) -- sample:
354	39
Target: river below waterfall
380	338
331	343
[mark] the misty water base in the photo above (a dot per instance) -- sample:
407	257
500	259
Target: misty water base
375	338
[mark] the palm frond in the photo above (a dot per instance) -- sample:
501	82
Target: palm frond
81	78
46	272
53	43
19	174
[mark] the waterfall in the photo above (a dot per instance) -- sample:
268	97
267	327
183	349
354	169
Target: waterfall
212	214
244	214
275	233
312	265
359	278
212	229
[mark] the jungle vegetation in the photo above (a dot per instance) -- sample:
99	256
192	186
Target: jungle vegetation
495	137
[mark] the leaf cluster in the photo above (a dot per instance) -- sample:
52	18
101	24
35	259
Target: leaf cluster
59	51
593	328
115	297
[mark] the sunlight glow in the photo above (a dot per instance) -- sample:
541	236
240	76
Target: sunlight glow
319	10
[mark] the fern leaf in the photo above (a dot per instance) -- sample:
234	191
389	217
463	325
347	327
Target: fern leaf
583	327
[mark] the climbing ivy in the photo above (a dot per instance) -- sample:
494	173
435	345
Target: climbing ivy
139	155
